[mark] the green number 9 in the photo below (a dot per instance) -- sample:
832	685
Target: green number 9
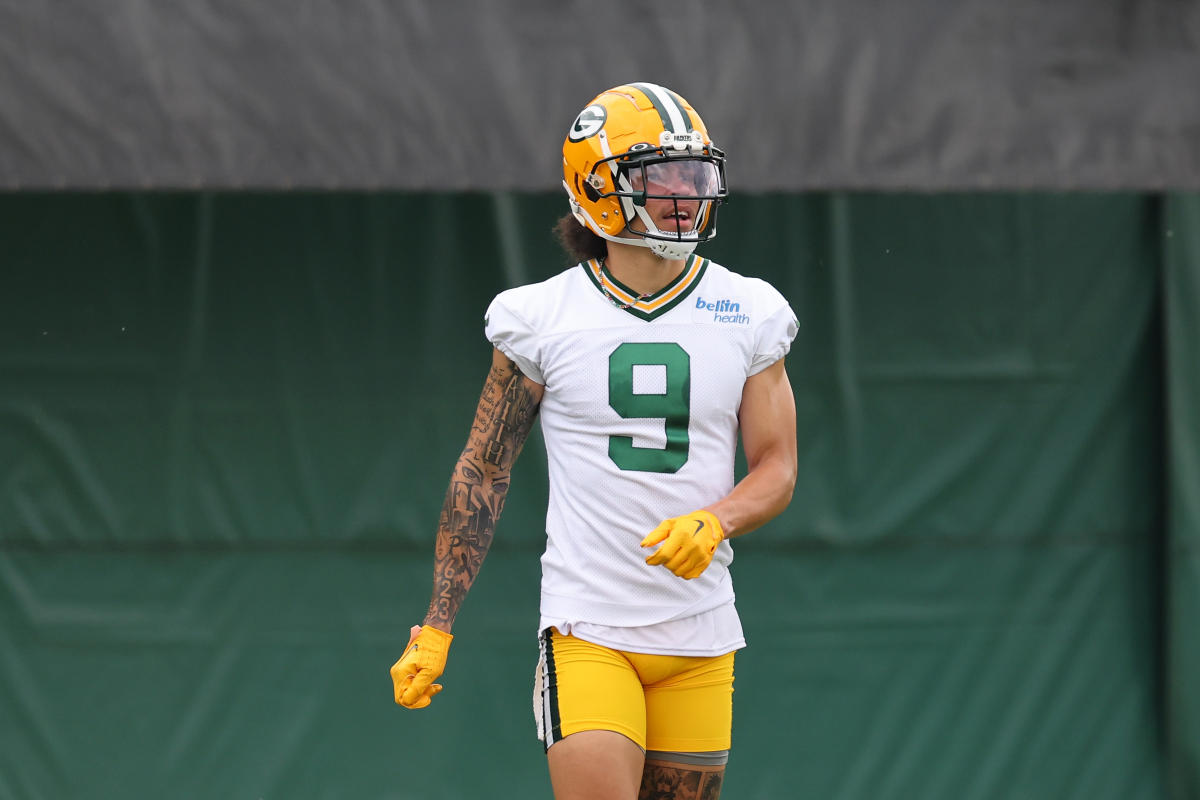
673	406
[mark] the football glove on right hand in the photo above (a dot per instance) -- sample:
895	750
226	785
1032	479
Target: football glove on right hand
423	662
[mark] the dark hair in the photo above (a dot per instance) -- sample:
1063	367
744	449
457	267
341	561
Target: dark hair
579	242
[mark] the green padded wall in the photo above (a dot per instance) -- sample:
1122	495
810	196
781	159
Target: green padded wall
226	422
1182	292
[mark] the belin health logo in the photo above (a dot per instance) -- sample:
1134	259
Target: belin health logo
727	311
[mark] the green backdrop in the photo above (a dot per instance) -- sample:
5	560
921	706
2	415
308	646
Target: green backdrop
226	423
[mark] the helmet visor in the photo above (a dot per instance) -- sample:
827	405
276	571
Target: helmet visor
676	177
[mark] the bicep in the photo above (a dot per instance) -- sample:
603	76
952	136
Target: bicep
767	417
505	414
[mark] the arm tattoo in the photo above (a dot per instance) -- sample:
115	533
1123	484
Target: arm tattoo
478	487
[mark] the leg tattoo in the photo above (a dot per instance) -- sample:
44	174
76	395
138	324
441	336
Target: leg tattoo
664	781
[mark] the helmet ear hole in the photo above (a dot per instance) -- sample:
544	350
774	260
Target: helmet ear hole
586	187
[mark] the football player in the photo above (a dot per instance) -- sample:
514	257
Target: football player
645	362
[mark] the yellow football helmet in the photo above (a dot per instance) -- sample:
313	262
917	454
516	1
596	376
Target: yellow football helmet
636	142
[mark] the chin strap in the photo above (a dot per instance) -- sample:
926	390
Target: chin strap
672	251
663	248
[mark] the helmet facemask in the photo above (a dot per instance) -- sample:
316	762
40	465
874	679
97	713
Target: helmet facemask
692	182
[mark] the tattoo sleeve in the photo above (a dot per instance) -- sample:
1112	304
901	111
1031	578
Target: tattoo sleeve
478	487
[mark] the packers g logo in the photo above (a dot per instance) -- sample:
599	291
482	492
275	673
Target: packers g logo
588	123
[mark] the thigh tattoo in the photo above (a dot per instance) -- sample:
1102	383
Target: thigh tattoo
665	781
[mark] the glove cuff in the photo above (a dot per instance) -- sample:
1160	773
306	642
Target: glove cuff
440	636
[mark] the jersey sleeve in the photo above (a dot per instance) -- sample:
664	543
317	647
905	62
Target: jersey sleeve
773	336
513	336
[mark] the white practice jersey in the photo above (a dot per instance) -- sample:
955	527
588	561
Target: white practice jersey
640	421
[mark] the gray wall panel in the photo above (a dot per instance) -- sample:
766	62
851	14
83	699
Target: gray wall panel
817	94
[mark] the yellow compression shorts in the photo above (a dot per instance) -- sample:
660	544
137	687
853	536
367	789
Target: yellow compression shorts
669	703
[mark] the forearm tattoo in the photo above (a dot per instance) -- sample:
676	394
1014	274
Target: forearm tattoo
478	487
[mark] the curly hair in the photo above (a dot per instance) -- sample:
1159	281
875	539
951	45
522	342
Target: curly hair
579	242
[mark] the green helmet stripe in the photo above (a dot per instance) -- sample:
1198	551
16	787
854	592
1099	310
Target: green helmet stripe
674	116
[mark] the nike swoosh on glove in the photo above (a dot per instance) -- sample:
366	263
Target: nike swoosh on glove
686	544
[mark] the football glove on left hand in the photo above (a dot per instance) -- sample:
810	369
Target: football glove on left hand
423	662
688	543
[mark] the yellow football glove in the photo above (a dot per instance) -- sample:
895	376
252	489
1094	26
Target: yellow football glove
423	661
688	543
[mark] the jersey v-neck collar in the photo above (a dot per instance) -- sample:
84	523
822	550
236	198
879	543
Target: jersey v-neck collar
650	306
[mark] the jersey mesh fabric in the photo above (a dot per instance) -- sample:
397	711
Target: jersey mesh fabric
639	418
